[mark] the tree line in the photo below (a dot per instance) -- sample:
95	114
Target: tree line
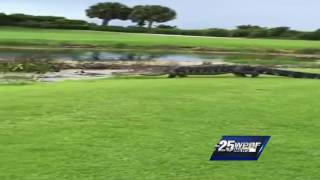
141	14
145	17
24	20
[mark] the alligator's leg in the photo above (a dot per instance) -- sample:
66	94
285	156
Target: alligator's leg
240	74
255	75
182	75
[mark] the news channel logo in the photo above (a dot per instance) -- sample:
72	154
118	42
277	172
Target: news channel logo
241	148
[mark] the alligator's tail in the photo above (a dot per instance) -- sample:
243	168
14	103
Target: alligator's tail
291	74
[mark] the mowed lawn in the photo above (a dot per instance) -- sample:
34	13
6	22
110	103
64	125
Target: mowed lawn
42	37
157	128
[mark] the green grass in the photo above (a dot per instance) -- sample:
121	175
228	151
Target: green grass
157	128
61	38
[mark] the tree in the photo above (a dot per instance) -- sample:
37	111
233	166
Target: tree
139	15
109	11
152	14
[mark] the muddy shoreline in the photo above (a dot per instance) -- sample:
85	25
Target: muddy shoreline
72	70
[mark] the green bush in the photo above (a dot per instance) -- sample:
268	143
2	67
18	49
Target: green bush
166	27
5	20
240	33
131	29
218	32
166	31
259	33
311	35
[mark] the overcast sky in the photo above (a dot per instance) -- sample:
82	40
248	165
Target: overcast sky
298	14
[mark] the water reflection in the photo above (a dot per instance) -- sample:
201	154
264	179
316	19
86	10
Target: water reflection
89	55
102	55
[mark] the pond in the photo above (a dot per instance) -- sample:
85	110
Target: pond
103	55
126	57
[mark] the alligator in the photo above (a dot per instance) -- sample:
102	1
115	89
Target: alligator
238	70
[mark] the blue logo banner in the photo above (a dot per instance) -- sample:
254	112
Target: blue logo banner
242	148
